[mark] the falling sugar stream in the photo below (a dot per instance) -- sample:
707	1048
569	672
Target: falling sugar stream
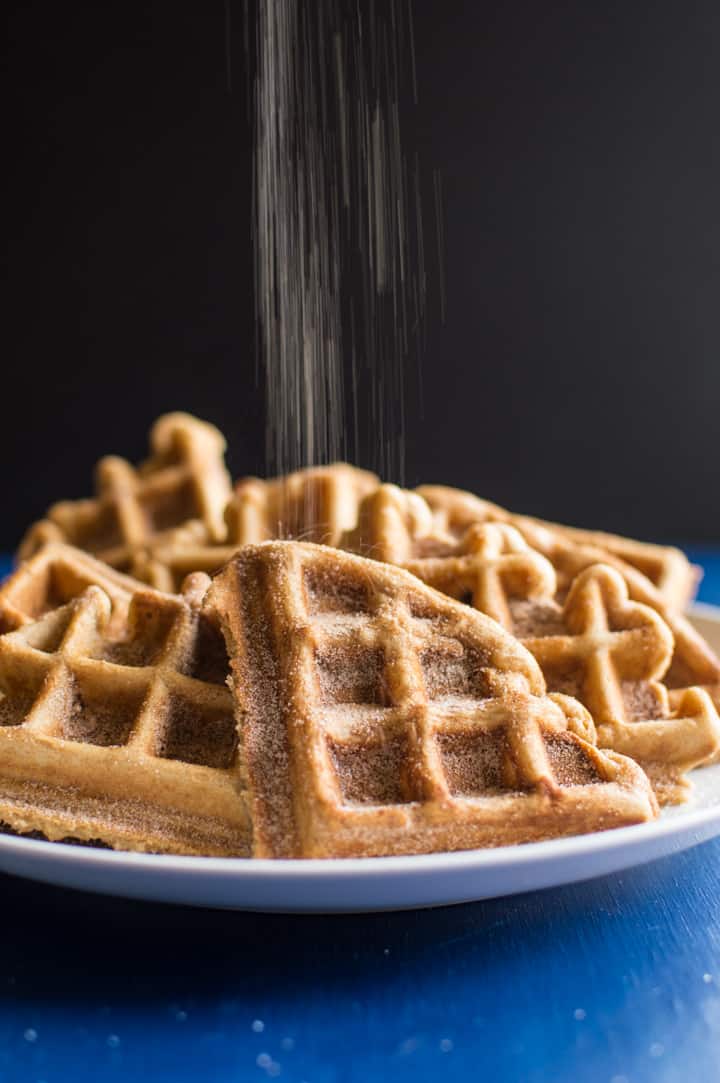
338	230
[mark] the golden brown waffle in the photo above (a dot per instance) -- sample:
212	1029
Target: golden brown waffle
490	567
394	525
598	646
127	740
317	504
167	560
54	576
694	662
184	479
611	653
314	505
380	717
667	568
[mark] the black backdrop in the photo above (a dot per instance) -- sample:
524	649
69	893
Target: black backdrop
578	372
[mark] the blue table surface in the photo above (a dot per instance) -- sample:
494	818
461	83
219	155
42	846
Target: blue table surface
615	980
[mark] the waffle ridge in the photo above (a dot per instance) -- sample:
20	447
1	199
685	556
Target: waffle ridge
55	575
381	717
693	664
129	740
665	566
184	480
590	638
316	504
489	567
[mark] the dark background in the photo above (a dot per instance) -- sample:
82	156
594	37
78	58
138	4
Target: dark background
577	374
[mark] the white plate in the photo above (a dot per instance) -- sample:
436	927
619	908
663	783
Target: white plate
381	883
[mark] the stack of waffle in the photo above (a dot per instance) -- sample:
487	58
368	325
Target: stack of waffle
369	671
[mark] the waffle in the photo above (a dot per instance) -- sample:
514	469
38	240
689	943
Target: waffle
490	567
55	575
170	558
694	663
184	479
598	646
380	717
314	505
667	568
125	740
317	504
611	653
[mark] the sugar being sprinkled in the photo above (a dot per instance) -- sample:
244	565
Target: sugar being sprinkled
340	257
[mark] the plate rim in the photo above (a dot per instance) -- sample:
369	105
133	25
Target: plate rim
518	854
242	868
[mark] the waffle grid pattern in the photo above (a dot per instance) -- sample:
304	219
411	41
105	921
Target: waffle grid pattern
185	479
410	722
612	653
599	646
315	505
146	718
693	662
488	567
667	568
52	578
